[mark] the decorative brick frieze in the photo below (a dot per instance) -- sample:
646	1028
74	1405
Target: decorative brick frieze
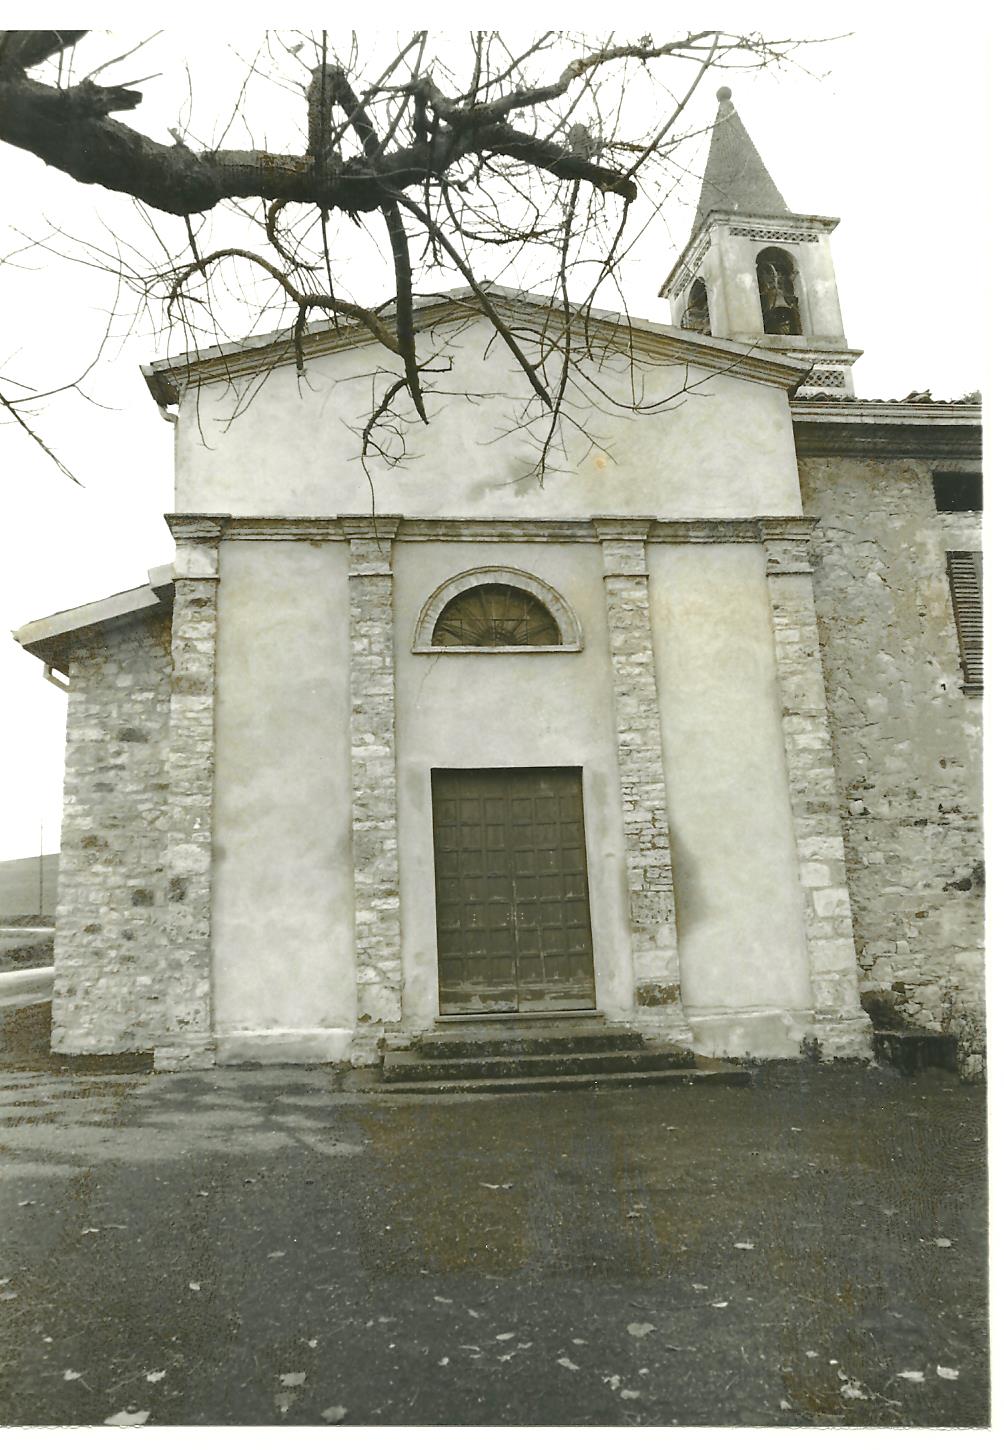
374	777
654	952
187	1035
110	929
841	1026
775	234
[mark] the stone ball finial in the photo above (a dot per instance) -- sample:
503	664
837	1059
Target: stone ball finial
724	94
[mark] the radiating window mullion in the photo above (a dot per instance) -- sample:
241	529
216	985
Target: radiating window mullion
495	616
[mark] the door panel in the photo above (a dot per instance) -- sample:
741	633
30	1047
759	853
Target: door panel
512	903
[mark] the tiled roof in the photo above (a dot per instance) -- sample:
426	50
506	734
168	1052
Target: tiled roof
916	400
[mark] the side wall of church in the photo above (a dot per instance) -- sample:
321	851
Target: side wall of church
110	920
906	739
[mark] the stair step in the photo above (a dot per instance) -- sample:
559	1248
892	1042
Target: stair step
415	1066
666	1077
478	1042
523	1020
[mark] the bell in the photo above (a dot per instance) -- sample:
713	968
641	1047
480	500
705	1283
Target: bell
774	300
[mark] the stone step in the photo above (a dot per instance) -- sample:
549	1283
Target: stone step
664	1077
532	1042
560	1017
415	1067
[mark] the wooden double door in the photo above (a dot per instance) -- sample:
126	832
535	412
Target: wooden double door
512	899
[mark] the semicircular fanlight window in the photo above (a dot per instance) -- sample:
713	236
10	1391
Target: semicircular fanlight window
495	616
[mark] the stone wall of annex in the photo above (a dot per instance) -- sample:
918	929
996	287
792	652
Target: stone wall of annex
906	739
110	921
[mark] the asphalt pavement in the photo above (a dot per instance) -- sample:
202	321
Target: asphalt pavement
258	1247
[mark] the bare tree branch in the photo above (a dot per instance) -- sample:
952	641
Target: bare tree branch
445	156
320	300
20	49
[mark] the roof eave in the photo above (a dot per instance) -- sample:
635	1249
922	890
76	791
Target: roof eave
52	638
167	378
865	410
857	428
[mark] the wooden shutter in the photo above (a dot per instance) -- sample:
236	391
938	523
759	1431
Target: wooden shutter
965	579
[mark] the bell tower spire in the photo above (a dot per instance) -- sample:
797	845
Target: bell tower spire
757	272
735	178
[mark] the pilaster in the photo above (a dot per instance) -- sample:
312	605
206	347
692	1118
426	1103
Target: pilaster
654	952
187	1040
374	775
841	1026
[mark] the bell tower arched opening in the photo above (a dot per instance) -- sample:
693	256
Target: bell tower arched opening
697	316
777	280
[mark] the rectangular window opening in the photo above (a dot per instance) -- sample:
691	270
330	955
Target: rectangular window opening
958	493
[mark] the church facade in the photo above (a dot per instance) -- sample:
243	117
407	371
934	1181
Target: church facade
688	736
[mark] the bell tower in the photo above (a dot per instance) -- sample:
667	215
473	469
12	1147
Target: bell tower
756	272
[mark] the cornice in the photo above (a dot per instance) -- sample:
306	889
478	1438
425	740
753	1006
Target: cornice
491	531
860	428
370	526
265	527
790	222
610	527
634	336
197	528
809	351
786	542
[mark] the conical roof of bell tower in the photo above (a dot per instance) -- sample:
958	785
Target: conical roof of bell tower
735	178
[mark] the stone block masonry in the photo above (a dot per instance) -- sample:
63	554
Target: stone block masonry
907	738
111	933
187	1039
841	1027
652	907
374	781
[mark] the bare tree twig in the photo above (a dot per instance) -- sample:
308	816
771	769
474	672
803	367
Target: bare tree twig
12	410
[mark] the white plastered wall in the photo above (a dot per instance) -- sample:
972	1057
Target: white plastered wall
743	958
283	903
722	447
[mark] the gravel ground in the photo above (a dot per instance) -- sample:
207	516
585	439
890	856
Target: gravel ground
256	1247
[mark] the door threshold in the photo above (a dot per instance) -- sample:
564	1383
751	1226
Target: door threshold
574	1013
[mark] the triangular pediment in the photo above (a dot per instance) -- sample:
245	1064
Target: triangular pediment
166	379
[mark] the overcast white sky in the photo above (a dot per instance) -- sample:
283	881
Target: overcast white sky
890	134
